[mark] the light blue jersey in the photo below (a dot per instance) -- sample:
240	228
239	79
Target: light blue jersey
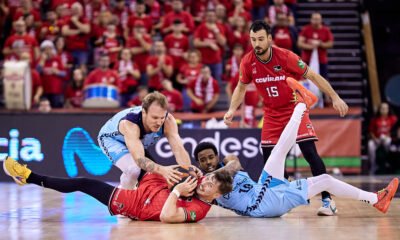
269	197
112	142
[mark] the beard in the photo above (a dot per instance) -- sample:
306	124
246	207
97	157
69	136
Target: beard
259	51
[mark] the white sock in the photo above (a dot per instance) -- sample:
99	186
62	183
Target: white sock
368	197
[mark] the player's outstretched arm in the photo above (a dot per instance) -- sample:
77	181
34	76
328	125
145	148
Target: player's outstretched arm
170	213
175	141
232	165
237	99
323	84
131	134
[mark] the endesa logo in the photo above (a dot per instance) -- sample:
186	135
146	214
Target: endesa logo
248	147
28	149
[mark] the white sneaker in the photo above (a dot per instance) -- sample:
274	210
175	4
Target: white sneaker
328	208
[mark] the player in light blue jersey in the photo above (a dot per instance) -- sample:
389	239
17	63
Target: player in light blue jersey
126	136
272	195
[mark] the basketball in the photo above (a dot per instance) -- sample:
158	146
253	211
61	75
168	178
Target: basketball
186	172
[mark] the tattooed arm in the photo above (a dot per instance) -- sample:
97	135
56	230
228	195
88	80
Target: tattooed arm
131	134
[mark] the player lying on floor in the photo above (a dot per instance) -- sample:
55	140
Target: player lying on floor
151	200
272	196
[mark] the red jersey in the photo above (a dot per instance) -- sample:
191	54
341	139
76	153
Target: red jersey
184	16
146	202
36	81
309	33
108	76
190	73
176	47
203	90
78	41
52	84
19	13
382	125
209	56
126	79
141	58
148	22
270	77
51	30
155	80
241	38
25	42
282	38
75	96
109	43
175	100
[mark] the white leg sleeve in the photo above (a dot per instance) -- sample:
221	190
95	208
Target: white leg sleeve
275	165
338	188
130	171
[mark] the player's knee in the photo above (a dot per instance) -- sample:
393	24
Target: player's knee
326	177
132	171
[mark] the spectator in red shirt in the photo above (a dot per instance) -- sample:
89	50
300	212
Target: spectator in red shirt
177	13
140	46
210	38
103	74
380	129
284	35
111	43
279	7
52	73
51	27
142	91
259	9
92	9
188	73
204	92
316	36
100	27
76	31
121	11
154	9
159	66
139	15
177	44
37	85
239	34
129	76
30	25
25	9
21	42
74	92
175	99
66	57
238	11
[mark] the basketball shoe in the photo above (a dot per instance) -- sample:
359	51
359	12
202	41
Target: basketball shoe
386	195
301	94
328	208
16	170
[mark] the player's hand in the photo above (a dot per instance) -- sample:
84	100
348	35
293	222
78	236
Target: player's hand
228	117
171	174
229	158
187	187
198	172
340	106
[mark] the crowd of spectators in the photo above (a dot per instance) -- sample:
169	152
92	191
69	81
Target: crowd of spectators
184	48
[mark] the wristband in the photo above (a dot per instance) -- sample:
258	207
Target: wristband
176	192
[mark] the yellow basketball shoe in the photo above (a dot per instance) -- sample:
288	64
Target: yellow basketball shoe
16	170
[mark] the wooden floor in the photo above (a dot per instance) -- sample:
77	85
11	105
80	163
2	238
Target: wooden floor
30	212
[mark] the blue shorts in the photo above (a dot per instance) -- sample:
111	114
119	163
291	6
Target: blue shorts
111	147
277	197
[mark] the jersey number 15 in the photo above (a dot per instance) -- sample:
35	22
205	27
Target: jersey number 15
272	91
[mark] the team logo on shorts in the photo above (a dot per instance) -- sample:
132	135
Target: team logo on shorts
277	68
301	64
193	216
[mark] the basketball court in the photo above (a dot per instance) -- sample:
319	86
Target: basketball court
30	212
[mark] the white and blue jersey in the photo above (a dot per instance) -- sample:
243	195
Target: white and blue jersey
112	142
269	197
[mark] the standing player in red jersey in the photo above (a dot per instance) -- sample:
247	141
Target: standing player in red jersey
268	67
151	201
